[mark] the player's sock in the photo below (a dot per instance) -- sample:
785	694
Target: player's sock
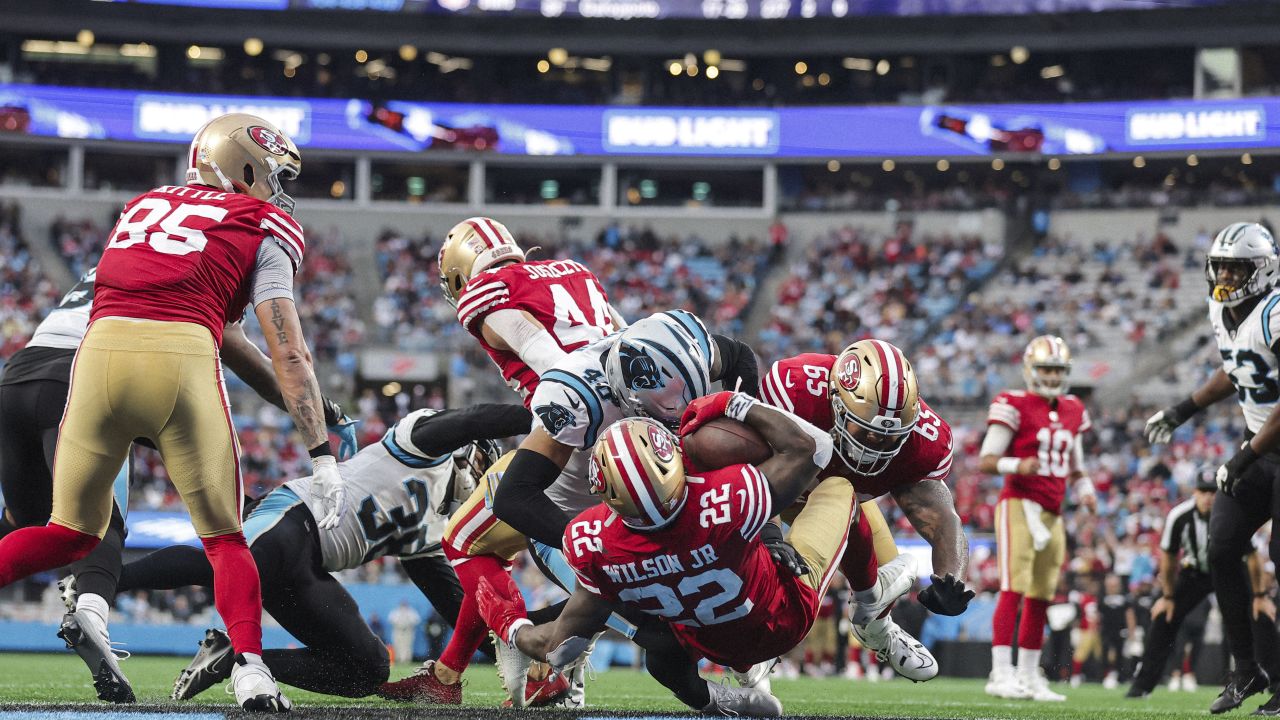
1001	657
1035	614
859	563
27	551
1004	619
95	605
470	630
1028	660
237	592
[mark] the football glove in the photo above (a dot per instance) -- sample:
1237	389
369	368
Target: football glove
327	486
1160	426
945	596
783	554
703	410
1230	474
340	424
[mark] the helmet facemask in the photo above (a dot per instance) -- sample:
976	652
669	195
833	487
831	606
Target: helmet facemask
1257	275
1043	384
645	381
858	455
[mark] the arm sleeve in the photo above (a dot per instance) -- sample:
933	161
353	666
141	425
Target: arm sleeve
444	432
285	231
737	362
755	506
522	503
1077	455
527	338
997	440
272	275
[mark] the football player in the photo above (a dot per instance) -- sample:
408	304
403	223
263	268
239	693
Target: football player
528	316
1242	271
888	441
403	491
181	262
1034	440
33	393
688	550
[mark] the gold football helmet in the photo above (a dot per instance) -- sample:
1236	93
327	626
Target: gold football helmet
637	467
875	402
244	154
1045	366
471	247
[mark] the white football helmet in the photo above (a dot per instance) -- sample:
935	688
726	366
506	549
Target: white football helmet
656	367
1249	247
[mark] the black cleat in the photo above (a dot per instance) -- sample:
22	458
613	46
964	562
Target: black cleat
82	633
1240	685
211	665
1136	692
1270	707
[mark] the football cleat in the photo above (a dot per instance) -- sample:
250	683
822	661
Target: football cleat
422	686
744	702
211	665
758	676
550	690
1004	684
513	668
1270	708
895	646
1037	685
85	633
894	579
1240	685
254	687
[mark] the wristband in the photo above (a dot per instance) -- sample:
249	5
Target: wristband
771	533
1008	465
738	407
320	450
1186	410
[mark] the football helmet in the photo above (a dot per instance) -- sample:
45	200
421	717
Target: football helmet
471	247
1044	353
470	463
655	368
875	403
243	153
637	468
1249	249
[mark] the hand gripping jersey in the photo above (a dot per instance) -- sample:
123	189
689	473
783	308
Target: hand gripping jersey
65	325
801	385
562	295
398	502
1249	356
187	254
574	404
1044	429
707	573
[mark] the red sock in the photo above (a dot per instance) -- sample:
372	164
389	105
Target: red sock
859	563
469	629
1186	664
1005	618
1035	613
27	551
237	592
1077	667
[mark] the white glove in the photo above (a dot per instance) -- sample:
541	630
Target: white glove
328	487
1160	428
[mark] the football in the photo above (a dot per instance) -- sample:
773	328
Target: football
723	442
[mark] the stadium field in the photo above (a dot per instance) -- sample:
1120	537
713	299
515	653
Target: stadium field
56	686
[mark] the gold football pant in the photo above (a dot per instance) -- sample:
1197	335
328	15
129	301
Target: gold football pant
474	530
1023	569
156	380
820	531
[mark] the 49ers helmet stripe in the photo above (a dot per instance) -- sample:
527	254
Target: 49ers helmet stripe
893	391
625	451
637	467
486	231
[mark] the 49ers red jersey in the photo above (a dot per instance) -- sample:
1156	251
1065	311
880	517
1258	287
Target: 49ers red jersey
707	573
562	295
1042	428
187	254
800	385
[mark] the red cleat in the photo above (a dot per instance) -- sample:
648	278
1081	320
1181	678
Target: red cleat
539	693
422	686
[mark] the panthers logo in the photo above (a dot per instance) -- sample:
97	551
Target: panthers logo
554	417
639	371
268	140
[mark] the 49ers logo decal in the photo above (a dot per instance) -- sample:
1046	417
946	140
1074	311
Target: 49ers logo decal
269	140
663	448
849	372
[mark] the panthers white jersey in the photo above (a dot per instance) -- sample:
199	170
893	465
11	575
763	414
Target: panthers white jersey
65	325
1248	358
574	404
398	501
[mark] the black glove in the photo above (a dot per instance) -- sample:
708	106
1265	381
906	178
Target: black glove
781	551
1229	475
332	412
945	596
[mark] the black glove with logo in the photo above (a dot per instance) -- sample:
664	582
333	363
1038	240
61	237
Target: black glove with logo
945	596
781	551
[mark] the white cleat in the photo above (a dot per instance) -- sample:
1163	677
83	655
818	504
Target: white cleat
1037	686
513	668
255	688
578	673
894	580
1004	684
741	702
895	646
757	677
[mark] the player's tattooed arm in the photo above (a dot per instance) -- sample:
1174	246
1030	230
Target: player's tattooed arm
583	616
291	361
932	511
250	365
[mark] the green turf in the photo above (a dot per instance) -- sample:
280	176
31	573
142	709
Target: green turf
63	679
